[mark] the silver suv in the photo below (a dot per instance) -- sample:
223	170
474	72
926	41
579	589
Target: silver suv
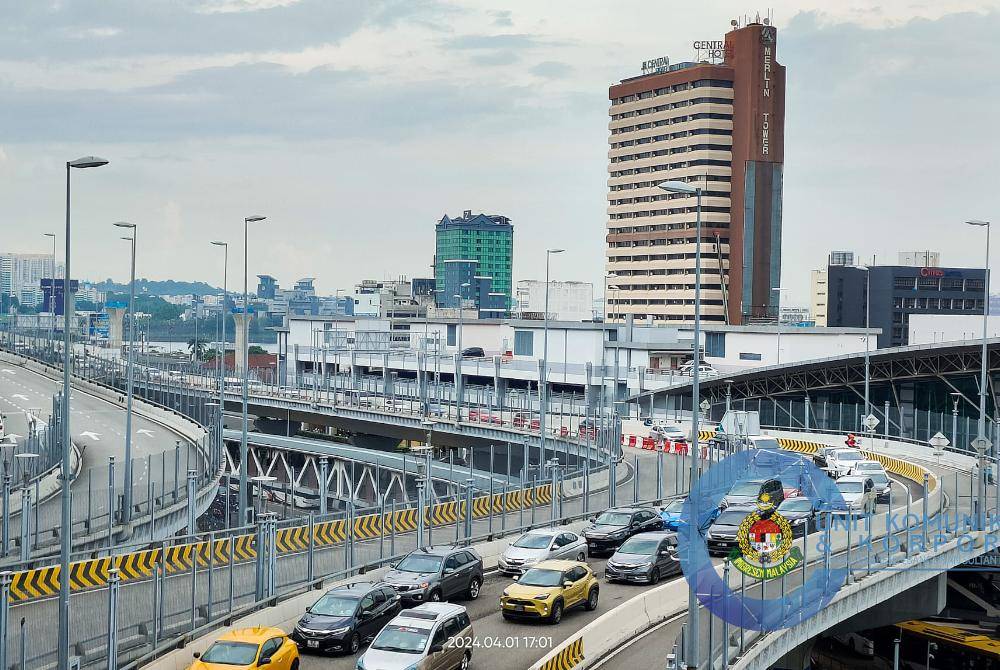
433	574
432	636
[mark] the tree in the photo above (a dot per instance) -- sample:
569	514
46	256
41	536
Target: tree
197	348
255	349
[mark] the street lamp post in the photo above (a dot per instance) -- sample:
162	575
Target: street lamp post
245	355
222	355
981	443
127	497
66	476
543	385
691	654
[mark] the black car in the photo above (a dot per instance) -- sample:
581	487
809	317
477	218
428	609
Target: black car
612	527
473	352
645	557
800	512
721	535
346	617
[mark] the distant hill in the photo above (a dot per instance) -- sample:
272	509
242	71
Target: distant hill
167	287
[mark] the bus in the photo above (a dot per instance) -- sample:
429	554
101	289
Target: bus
958	647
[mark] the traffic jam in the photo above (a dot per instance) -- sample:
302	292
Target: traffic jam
420	614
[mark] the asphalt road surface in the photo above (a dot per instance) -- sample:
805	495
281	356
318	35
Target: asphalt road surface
98	428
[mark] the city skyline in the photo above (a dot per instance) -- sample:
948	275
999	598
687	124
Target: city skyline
854	135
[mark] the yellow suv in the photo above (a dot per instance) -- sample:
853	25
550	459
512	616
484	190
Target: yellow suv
550	588
250	648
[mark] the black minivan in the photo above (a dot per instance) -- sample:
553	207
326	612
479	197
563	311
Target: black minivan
473	352
346	617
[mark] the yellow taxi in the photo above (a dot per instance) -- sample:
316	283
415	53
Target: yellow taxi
250	648
548	589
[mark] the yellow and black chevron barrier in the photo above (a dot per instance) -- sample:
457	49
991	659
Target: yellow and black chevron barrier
85	575
568	657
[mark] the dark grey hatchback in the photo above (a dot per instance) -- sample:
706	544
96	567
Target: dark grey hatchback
645	557
346	617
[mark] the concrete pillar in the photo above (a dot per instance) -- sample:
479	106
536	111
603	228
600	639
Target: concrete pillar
354	369
386	375
295	366
242	320
499	384
459	380
422	378
116	326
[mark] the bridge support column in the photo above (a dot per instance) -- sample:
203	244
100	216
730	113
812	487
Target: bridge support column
499	384
116	327
242	320
355	373
422	380
324	476
459	380
295	366
386	376
807	412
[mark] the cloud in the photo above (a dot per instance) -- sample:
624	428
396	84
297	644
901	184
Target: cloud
503	18
552	70
498	41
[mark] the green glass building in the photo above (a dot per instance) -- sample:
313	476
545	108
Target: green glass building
477	250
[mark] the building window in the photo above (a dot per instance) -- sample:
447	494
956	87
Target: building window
928	283
524	343
904	282
951	284
974	284
715	345
748	356
452	330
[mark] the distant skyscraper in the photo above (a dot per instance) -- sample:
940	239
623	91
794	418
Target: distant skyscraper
477	249
266	287
21	276
716	126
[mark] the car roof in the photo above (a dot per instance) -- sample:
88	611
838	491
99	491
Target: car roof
628	509
853	478
655	534
558	565
359	589
870	463
427	614
255	635
441	550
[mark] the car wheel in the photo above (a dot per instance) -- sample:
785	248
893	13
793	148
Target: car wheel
355	643
557	611
582	557
591	603
435	596
474	586
466	661
654	576
295	665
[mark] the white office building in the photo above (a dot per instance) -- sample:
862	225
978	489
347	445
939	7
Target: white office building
568	300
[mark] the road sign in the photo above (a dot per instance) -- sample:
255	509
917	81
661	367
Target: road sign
939	442
705	405
981	445
871	422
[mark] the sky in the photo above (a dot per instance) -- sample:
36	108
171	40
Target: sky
354	125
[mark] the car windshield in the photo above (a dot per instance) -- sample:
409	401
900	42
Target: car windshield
745	489
420	563
795	505
614	518
231	653
334	606
533	541
849	487
676	506
849	456
874	467
879	478
541	577
637	545
731	517
766	443
402	639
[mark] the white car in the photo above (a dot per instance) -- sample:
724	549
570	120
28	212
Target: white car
665	432
874	469
858	492
541	545
703	370
840	461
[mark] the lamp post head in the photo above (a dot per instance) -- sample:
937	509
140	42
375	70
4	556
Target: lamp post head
978	222
52	235
678	187
128	239
124	224
87	162
221	244
554	251
255	217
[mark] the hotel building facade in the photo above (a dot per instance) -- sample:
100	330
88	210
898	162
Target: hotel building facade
720	127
